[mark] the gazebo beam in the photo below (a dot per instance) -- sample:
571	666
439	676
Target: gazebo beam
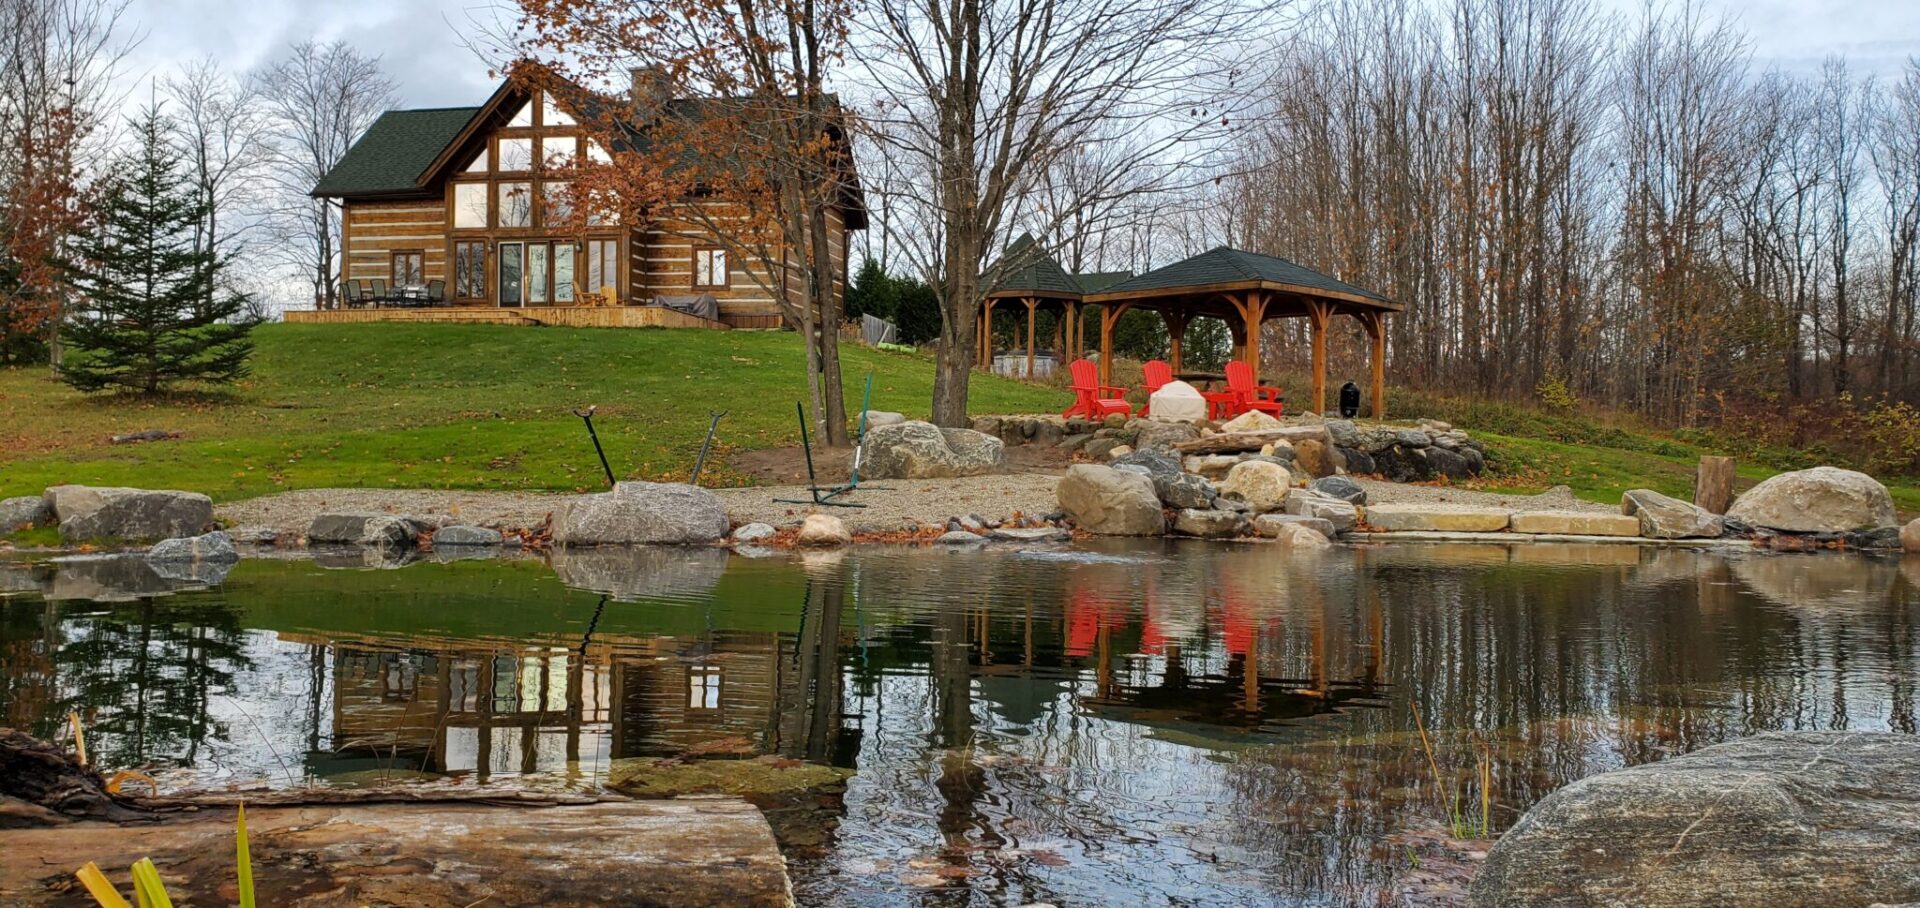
986	337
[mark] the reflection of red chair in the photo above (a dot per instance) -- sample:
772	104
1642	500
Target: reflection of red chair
1086	615
1087	394
1243	395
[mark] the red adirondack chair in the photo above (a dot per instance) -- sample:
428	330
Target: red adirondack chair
1154	375
1243	395
1088	399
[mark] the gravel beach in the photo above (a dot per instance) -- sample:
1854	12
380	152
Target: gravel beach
891	504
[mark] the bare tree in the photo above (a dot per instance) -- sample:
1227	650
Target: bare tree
319	99
222	131
978	98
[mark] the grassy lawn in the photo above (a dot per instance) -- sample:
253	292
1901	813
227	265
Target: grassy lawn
488	407
452	406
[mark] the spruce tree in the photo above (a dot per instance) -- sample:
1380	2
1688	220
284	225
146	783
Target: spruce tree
149	307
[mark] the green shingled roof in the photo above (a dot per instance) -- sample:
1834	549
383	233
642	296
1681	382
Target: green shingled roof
1034	271
395	152
1222	265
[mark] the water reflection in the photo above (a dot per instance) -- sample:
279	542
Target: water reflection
1184	723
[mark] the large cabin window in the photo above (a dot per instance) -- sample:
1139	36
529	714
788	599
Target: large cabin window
516	204
563	272
710	267
556	205
516	155
522	117
409	268
470	206
551	114
470	269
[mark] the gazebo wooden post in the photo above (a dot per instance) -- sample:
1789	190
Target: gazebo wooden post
1032	304
1253	311
1070	322
986	336
1318	314
1376	325
1109	316
1176	334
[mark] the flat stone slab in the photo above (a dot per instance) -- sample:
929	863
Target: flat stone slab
1396	518
684	852
1575	523
1514	539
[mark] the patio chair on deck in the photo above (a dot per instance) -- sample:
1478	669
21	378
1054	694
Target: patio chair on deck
436	293
1087	394
349	295
379	290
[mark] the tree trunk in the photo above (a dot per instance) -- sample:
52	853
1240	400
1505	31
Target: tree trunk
959	318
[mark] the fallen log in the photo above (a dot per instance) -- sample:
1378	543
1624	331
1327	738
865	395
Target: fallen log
149	435
42	785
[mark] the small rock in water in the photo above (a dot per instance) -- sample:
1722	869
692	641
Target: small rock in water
466	536
254	535
215	547
959	537
1910	536
823	530
1210	524
1031	534
1271	525
754	532
1300	536
1340	487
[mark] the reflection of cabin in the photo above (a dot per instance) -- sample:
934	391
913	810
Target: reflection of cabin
537	709
469	206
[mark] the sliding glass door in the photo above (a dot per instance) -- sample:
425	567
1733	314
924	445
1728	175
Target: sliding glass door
512	274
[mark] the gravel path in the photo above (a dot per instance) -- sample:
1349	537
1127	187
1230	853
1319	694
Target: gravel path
891	504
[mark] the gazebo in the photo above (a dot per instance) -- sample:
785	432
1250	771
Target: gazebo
1244	289
1025	275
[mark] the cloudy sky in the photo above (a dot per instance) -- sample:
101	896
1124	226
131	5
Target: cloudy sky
420	40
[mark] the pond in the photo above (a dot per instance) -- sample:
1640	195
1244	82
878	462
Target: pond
1155	721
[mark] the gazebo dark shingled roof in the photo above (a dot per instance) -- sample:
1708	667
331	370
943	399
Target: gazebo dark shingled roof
1038	274
395	151
1224	265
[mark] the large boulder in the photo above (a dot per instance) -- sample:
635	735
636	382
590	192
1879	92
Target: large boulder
1777	819
1313	458
1252	421
88	512
25	512
922	450
1910	537
1179	401
1262	485
1157	433
1110	502
1664	517
643	513
1338	513
1158	462
1184	490
365	528
1820	500
823	530
1210	524
215	547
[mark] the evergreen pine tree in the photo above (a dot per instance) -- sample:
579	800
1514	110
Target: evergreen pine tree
149	306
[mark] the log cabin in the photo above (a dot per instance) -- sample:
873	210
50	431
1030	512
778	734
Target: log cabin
459	205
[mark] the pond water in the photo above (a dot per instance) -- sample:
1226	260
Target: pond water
1156	721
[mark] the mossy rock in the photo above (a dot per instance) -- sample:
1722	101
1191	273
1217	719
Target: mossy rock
652	778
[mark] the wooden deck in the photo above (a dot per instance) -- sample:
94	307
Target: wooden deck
567	316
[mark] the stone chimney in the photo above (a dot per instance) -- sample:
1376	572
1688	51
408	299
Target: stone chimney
652	87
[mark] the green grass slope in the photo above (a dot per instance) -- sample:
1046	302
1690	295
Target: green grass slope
452	406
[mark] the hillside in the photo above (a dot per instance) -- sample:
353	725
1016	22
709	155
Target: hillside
452	406
488	407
